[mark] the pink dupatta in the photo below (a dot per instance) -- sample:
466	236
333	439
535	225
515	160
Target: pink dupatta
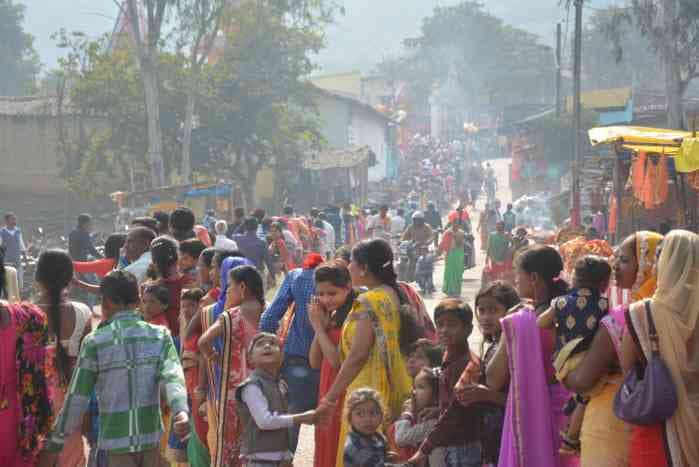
530	432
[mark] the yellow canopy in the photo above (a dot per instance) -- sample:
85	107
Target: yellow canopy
687	160
636	135
653	149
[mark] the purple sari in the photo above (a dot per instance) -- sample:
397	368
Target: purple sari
534	412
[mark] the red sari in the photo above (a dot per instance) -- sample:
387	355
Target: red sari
328	438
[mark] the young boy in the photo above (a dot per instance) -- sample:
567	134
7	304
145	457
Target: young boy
454	320
127	383
190	250
263	407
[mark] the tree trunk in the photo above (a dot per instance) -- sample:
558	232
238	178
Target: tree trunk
187	138
155	137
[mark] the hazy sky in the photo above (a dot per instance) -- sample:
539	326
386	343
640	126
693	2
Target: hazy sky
370	30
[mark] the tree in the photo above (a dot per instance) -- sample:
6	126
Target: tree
255	109
146	18
672	29
200	22
484	54
101	90
18	59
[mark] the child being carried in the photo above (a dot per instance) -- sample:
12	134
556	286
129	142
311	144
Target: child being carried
576	318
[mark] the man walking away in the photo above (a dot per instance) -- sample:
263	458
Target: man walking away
127	362
15	250
80	244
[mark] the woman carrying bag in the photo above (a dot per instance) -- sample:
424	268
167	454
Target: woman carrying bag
674	310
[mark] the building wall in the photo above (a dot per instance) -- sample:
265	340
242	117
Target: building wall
370	130
335	118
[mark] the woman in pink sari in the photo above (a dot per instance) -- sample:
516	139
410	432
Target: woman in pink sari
534	412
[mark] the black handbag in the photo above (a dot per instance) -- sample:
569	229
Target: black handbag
648	395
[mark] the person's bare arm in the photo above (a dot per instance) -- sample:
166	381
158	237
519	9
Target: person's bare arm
497	372
547	319
595	365
206	341
629	354
315	355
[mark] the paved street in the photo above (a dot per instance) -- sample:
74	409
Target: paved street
472	283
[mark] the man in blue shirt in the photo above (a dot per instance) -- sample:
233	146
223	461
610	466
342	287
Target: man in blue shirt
15	250
252	246
298	288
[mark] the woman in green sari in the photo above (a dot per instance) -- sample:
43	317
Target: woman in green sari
452	246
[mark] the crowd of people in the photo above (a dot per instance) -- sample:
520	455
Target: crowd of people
188	363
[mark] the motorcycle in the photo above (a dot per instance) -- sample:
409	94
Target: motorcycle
424	273
406	257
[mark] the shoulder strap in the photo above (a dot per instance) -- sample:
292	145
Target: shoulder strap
636	341
652	331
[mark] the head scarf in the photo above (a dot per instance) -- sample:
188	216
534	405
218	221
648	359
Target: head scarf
646	281
227	266
675	308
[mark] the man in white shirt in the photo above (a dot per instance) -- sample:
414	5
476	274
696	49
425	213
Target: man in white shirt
137	251
380	225
330	237
398	222
222	241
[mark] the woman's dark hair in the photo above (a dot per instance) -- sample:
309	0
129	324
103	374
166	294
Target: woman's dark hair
547	264
338	275
113	245
502	292
194	295
377	256
3	279
192	247
207	256
160	292
252	279
592	272
55	271
164	255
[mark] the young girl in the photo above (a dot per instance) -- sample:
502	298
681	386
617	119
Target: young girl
424	354
262	405
236	327
411	429
154	303
191	364
365	444
576	318
328	310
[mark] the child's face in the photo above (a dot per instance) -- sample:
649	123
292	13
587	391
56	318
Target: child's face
266	353
236	294
188	308
451	331
416	362
331	296
423	391
489	313
186	262
366	418
150	306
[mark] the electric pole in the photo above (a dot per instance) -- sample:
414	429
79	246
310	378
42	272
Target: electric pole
577	114
558	70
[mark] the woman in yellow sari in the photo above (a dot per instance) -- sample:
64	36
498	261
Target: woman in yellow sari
377	333
606	440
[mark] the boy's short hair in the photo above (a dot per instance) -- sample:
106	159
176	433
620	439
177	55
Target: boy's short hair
160	292
456	306
258	337
192	247
193	295
120	287
434	353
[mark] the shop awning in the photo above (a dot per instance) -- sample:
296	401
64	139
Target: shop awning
636	135
653	149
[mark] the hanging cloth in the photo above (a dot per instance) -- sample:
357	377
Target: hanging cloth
655	184
687	160
638	175
613	208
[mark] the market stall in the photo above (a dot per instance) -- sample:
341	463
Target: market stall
653	176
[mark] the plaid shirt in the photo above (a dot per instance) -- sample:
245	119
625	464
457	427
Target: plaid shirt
365	450
126	361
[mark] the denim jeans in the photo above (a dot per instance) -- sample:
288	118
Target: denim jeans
303	384
464	456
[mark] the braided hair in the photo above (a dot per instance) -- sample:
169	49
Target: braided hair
377	256
55	271
164	251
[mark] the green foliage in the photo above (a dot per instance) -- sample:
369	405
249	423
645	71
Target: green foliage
256	110
19	61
